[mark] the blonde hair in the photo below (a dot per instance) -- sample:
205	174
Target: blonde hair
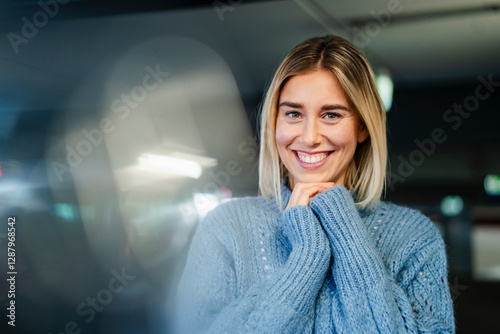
367	171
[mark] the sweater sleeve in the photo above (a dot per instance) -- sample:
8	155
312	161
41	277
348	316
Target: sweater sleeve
208	301
367	298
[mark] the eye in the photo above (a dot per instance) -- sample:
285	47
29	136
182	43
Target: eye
293	114
331	116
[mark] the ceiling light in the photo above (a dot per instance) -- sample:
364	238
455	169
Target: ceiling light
171	165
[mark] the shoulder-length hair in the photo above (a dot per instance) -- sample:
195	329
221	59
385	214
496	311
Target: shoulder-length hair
366	172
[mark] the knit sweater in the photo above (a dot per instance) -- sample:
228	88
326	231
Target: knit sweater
324	268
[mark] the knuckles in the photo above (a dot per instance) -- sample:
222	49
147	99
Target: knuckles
302	192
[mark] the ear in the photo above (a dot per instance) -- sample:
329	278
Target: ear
362	134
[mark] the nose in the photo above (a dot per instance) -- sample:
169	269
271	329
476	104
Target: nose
311	133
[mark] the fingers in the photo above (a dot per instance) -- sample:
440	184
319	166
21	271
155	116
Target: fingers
303	192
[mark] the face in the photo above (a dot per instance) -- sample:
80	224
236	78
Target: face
316	131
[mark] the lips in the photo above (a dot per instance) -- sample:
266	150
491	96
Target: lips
312	160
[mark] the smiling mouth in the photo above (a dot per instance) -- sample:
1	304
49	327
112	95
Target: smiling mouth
312	158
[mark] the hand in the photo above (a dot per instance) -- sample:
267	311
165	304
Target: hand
303	192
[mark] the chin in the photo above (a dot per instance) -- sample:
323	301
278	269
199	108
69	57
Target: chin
312	179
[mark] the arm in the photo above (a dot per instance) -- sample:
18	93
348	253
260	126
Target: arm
367	299
282	304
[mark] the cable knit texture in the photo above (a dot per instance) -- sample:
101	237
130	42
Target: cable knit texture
323	268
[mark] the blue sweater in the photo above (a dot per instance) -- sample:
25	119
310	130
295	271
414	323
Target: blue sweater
325	268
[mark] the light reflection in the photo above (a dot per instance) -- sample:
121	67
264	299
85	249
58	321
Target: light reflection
492	185
204	202
385	87
452	205
65	211
131	194
70	212
172	165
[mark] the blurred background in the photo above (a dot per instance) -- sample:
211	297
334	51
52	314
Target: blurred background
123	123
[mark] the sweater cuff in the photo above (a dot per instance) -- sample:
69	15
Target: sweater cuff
302	228
340	218
309	248
338	200
350	242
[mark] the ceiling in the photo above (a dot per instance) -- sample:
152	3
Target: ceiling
422	40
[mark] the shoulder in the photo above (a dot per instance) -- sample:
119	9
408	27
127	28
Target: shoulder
235	216
408	241
235	209
408	225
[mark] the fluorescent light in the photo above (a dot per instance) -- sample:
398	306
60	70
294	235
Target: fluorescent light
203	161
385	88
171	165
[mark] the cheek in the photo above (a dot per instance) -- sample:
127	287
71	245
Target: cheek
344	137
284	135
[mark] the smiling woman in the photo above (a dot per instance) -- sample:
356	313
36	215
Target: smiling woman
331	75
316	132
336	258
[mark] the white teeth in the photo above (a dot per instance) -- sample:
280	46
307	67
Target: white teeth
311	159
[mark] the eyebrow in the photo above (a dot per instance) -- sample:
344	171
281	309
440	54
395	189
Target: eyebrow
325	107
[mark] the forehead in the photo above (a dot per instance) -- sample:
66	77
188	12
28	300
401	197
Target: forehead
319	86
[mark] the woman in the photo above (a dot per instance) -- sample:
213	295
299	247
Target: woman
318	252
